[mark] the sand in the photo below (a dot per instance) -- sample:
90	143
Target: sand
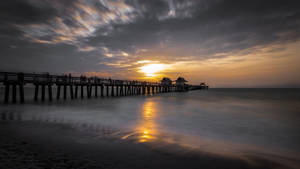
35	145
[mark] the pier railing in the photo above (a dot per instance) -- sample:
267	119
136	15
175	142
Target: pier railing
67	78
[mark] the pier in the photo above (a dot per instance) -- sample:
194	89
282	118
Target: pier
73	87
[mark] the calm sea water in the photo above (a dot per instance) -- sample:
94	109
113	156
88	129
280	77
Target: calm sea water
226	121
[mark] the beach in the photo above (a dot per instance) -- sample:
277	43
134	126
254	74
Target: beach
115	133
36	145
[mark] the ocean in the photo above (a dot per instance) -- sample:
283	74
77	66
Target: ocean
233	122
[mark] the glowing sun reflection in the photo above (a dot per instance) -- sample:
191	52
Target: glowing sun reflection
146	128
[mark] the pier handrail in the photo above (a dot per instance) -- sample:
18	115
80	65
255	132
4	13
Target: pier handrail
48	78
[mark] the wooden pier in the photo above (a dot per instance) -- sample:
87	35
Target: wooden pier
78	86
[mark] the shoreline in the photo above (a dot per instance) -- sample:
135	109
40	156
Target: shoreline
38	145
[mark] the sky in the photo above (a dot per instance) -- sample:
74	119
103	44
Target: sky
225	43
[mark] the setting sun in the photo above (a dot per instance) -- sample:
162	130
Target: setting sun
151	69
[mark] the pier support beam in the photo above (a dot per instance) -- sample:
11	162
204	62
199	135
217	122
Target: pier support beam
112	90
81	91
36	92
121	90
96	90
76	91
107	90
58	92
6	95
43	92
50	92
21	92
129	90
65	92
89	90
117	90
71	92
102	90
133	90
14	92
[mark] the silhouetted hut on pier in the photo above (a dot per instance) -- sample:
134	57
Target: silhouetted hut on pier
203	86
166	84
166	81
180	84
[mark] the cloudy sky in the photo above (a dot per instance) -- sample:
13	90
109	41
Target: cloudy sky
226	43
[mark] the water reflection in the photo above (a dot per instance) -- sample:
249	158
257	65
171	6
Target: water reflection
147	127
11	115
98	130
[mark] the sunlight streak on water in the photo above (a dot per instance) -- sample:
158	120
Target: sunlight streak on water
147	126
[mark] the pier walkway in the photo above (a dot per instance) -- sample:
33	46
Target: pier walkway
77	86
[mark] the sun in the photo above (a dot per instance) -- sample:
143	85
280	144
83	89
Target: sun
151	69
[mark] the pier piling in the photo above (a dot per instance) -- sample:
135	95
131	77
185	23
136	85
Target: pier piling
112	90
81	91
36	92
21	93
6	95
96	90
102	90
121	91
43	92
117	90
65	92
14	92
88	91
107	90
76	91
50	92
58	92
71	92
148	89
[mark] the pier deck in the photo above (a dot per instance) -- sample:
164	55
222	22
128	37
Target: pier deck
85	86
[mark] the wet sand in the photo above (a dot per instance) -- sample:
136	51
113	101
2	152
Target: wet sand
34	145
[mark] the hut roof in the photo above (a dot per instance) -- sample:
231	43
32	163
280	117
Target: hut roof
181	79
165	79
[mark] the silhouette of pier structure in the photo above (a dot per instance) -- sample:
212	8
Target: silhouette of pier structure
78	86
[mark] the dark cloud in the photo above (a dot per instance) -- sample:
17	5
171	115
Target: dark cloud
213	27
22	12
93	35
